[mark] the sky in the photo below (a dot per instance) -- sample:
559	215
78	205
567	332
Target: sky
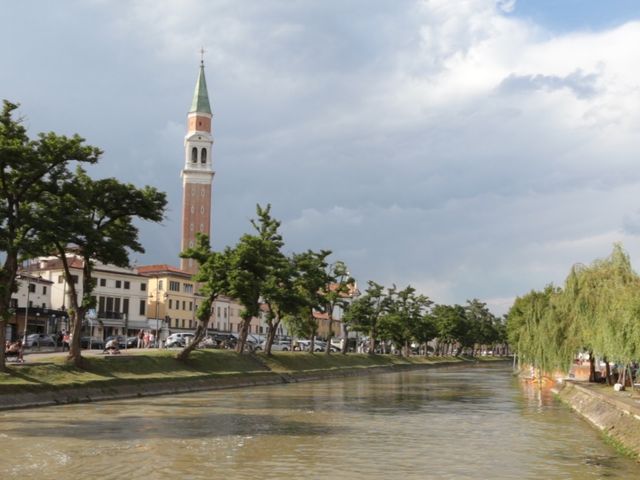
472	149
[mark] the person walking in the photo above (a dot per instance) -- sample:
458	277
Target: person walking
140	338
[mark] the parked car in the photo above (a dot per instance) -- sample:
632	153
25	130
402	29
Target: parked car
321	346
224	340
132	342
39	340
276	346
179	339
92	343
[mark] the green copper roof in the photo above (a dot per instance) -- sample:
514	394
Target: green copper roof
200	101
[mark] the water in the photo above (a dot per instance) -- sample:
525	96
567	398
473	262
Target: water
450	423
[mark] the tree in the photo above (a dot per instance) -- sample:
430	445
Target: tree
213	281
250	263
364	313
450	323
280	295
310	279
481	325
28	169
336	288
94	218
404	316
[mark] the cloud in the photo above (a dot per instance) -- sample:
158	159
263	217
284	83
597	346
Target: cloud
581	84
450	145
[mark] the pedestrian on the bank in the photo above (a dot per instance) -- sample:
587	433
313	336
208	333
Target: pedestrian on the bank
140	338
146	339
59	338
66	339
152	339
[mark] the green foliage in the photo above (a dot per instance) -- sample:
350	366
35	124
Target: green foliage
29	171
597	310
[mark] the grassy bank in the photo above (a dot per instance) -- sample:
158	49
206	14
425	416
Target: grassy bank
160	366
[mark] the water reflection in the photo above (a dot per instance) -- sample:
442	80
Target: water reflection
453	423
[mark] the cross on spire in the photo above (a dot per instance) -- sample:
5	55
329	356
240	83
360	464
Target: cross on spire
202	51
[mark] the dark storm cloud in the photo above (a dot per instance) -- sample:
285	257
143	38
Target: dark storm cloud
402	135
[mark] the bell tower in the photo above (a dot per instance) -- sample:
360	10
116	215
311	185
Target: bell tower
197	173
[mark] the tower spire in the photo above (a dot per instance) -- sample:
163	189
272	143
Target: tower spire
200	102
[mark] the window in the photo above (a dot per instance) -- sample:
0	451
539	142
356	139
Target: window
203	156
202	227
188	288
116	305
60	278
125	306
101	304
190	306
32	288
190	323
184	305
103	282
225	312
74	278
218	312
118	283
143	287
109	304
174	286
170	303
142	307
194	154
127	285
160	285
183	323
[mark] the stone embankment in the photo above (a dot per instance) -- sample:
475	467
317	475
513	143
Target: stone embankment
122	390
615	414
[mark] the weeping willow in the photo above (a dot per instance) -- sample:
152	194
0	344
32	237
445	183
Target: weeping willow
598	310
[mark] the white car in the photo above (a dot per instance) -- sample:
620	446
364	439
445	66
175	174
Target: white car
276	346
179	339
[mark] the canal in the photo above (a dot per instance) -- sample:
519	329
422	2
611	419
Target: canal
472	422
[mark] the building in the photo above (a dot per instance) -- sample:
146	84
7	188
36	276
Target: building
225	317
172	300
120	295
32	309
197	173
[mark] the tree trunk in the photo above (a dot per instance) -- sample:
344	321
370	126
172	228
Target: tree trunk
244	331
372	345
271	335
327	349
608	370
7	277
75	351
201	329
592	368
